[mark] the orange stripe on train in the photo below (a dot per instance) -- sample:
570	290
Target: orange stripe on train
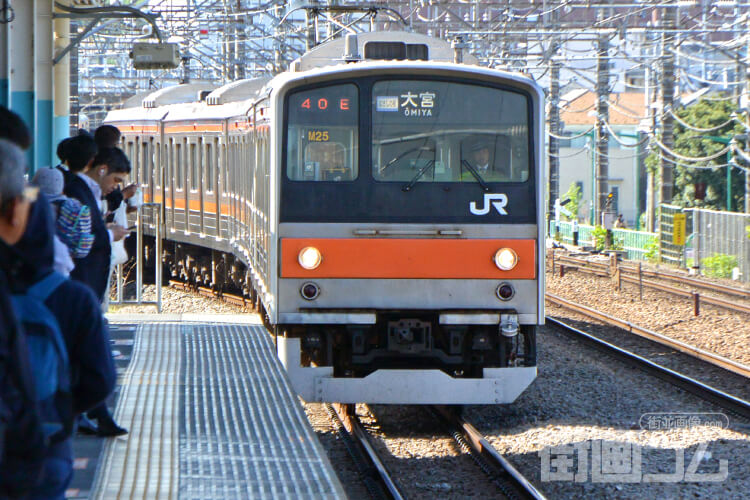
407	258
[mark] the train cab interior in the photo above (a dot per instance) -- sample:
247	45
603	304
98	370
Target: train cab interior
450	158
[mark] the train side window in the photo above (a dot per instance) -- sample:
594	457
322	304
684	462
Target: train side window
323	134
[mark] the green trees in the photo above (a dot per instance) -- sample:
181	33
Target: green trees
705	114
574	195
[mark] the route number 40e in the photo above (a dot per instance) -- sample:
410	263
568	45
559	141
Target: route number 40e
322	104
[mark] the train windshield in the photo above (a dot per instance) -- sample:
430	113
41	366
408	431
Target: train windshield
323	134
432	131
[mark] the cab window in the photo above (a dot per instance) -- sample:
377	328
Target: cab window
322	134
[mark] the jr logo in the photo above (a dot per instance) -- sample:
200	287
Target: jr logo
497	200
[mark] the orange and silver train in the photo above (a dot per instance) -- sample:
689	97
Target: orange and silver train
381	203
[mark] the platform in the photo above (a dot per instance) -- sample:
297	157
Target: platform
211	416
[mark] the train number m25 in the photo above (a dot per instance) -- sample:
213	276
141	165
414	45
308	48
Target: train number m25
317	135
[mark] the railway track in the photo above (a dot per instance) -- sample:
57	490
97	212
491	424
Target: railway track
709	357
732	404
374	473
236	300
635	275
510	481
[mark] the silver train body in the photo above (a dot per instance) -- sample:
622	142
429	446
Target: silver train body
349	200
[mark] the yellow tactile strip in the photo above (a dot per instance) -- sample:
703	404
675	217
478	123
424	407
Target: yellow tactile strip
144	464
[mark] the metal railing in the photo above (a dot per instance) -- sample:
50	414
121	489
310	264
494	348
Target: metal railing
633	242
154	223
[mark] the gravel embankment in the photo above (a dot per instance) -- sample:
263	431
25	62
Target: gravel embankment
425	461
178	302
715	329
583	398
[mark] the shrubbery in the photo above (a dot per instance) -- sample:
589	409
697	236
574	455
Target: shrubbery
719	265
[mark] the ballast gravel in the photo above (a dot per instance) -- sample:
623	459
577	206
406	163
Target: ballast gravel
583	411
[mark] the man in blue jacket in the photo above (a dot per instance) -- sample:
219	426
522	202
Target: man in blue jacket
22	443
84	331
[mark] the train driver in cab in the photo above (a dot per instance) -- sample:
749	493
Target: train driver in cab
479	155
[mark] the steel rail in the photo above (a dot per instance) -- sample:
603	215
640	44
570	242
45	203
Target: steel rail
714	287
376	468
476	441
709	357
706	299
730	403
600	269
630	269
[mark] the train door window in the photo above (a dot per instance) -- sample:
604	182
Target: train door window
194	167
129	153
144	171
178	166
209	167
323	134
157	164
225	165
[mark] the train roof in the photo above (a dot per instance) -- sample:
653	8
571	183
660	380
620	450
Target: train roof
379	68
343	49
188	102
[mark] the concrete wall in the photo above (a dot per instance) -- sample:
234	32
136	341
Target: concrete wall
576	165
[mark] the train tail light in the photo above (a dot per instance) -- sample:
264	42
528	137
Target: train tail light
505	291
309	291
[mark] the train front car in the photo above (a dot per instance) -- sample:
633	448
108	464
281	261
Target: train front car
410	232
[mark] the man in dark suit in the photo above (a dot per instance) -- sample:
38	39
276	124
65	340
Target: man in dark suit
109	168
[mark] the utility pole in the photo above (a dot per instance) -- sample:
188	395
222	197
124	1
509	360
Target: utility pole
553	119
239	43
602	117
747	114
667	101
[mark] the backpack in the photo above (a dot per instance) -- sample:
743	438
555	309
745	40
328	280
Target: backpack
48	357
73	226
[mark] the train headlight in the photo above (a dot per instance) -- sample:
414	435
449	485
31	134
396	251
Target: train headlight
506	259
310	258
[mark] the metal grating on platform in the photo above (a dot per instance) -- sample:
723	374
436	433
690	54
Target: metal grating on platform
144	463
211	415
243	433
